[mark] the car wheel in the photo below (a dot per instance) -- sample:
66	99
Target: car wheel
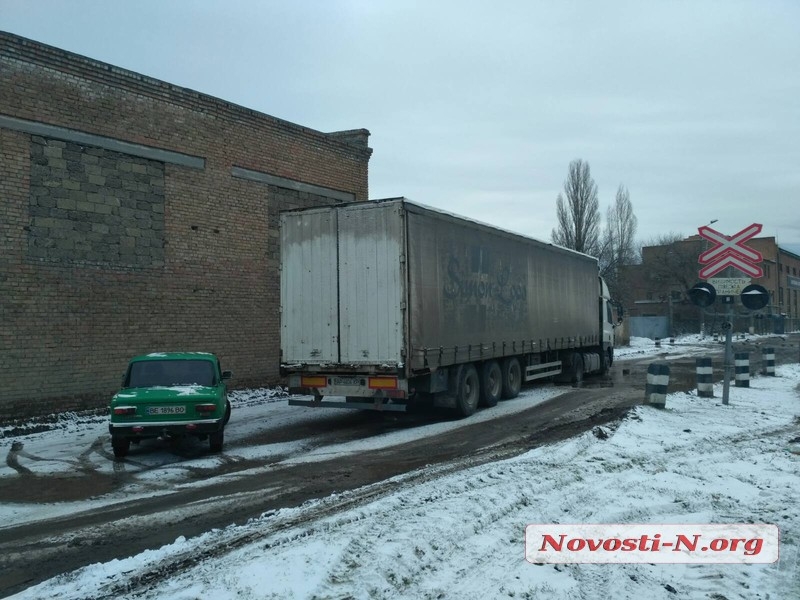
215	441
120	445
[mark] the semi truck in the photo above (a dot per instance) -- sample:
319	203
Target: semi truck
388	304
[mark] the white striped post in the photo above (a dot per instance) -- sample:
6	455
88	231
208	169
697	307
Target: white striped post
655	391
705	378
741	363
768	360
672	341
716	337
658	342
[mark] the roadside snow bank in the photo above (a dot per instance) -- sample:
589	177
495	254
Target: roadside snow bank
461	535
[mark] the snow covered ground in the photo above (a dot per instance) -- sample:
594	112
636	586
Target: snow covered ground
687	345
81	444
460	534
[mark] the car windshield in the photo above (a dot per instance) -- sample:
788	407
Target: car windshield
152	373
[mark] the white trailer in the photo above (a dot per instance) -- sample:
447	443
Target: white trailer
388	303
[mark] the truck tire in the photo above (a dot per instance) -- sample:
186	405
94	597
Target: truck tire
215	441
120	445
606	358
576	368
512	377
467	390
491	383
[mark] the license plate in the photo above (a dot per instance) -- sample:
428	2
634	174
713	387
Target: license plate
346	381
166	410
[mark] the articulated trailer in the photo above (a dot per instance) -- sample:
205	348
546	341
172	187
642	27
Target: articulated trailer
389	303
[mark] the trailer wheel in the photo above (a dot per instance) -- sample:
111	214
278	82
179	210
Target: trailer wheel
468	390
491	383
512	378
576	368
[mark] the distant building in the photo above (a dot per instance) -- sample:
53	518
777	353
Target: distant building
657	304
137	215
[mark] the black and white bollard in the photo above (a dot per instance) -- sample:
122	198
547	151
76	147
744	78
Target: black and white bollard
655	391
768	356
672	341
716	337
658	342
705	378
741	363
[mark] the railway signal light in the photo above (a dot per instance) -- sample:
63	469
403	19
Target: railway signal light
702	294
755	297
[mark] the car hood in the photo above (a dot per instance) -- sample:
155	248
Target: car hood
178	393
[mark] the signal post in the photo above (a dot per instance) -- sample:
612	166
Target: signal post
729	252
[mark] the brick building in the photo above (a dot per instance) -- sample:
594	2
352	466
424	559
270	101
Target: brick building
135	216
657	288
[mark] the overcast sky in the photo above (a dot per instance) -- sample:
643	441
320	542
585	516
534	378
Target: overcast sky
479	107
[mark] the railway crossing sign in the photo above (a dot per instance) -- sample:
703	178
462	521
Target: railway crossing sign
730	251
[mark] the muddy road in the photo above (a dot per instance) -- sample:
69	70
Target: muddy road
240	487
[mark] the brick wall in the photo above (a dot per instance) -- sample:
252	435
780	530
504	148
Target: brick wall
673	269
124	230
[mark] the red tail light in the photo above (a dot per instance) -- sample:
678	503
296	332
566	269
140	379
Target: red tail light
205	408
125	410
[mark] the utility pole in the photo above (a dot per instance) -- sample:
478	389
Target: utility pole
671	331
728	367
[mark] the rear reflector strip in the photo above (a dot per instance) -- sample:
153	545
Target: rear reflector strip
383	383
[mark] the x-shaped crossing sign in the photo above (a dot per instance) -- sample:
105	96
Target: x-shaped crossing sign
730	251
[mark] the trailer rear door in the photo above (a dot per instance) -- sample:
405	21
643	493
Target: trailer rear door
309	290
371	285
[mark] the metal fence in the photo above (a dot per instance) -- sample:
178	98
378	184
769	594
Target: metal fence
649	327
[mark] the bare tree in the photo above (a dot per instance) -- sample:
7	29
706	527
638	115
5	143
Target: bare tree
618	247
578	211
672	260
669	265
622	224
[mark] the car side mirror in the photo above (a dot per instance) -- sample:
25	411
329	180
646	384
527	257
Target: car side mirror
227	375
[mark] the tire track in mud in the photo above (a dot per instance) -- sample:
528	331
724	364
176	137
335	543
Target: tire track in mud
343	501
18	450
12	459
81	539
34	552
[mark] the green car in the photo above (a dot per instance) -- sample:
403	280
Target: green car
170	394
